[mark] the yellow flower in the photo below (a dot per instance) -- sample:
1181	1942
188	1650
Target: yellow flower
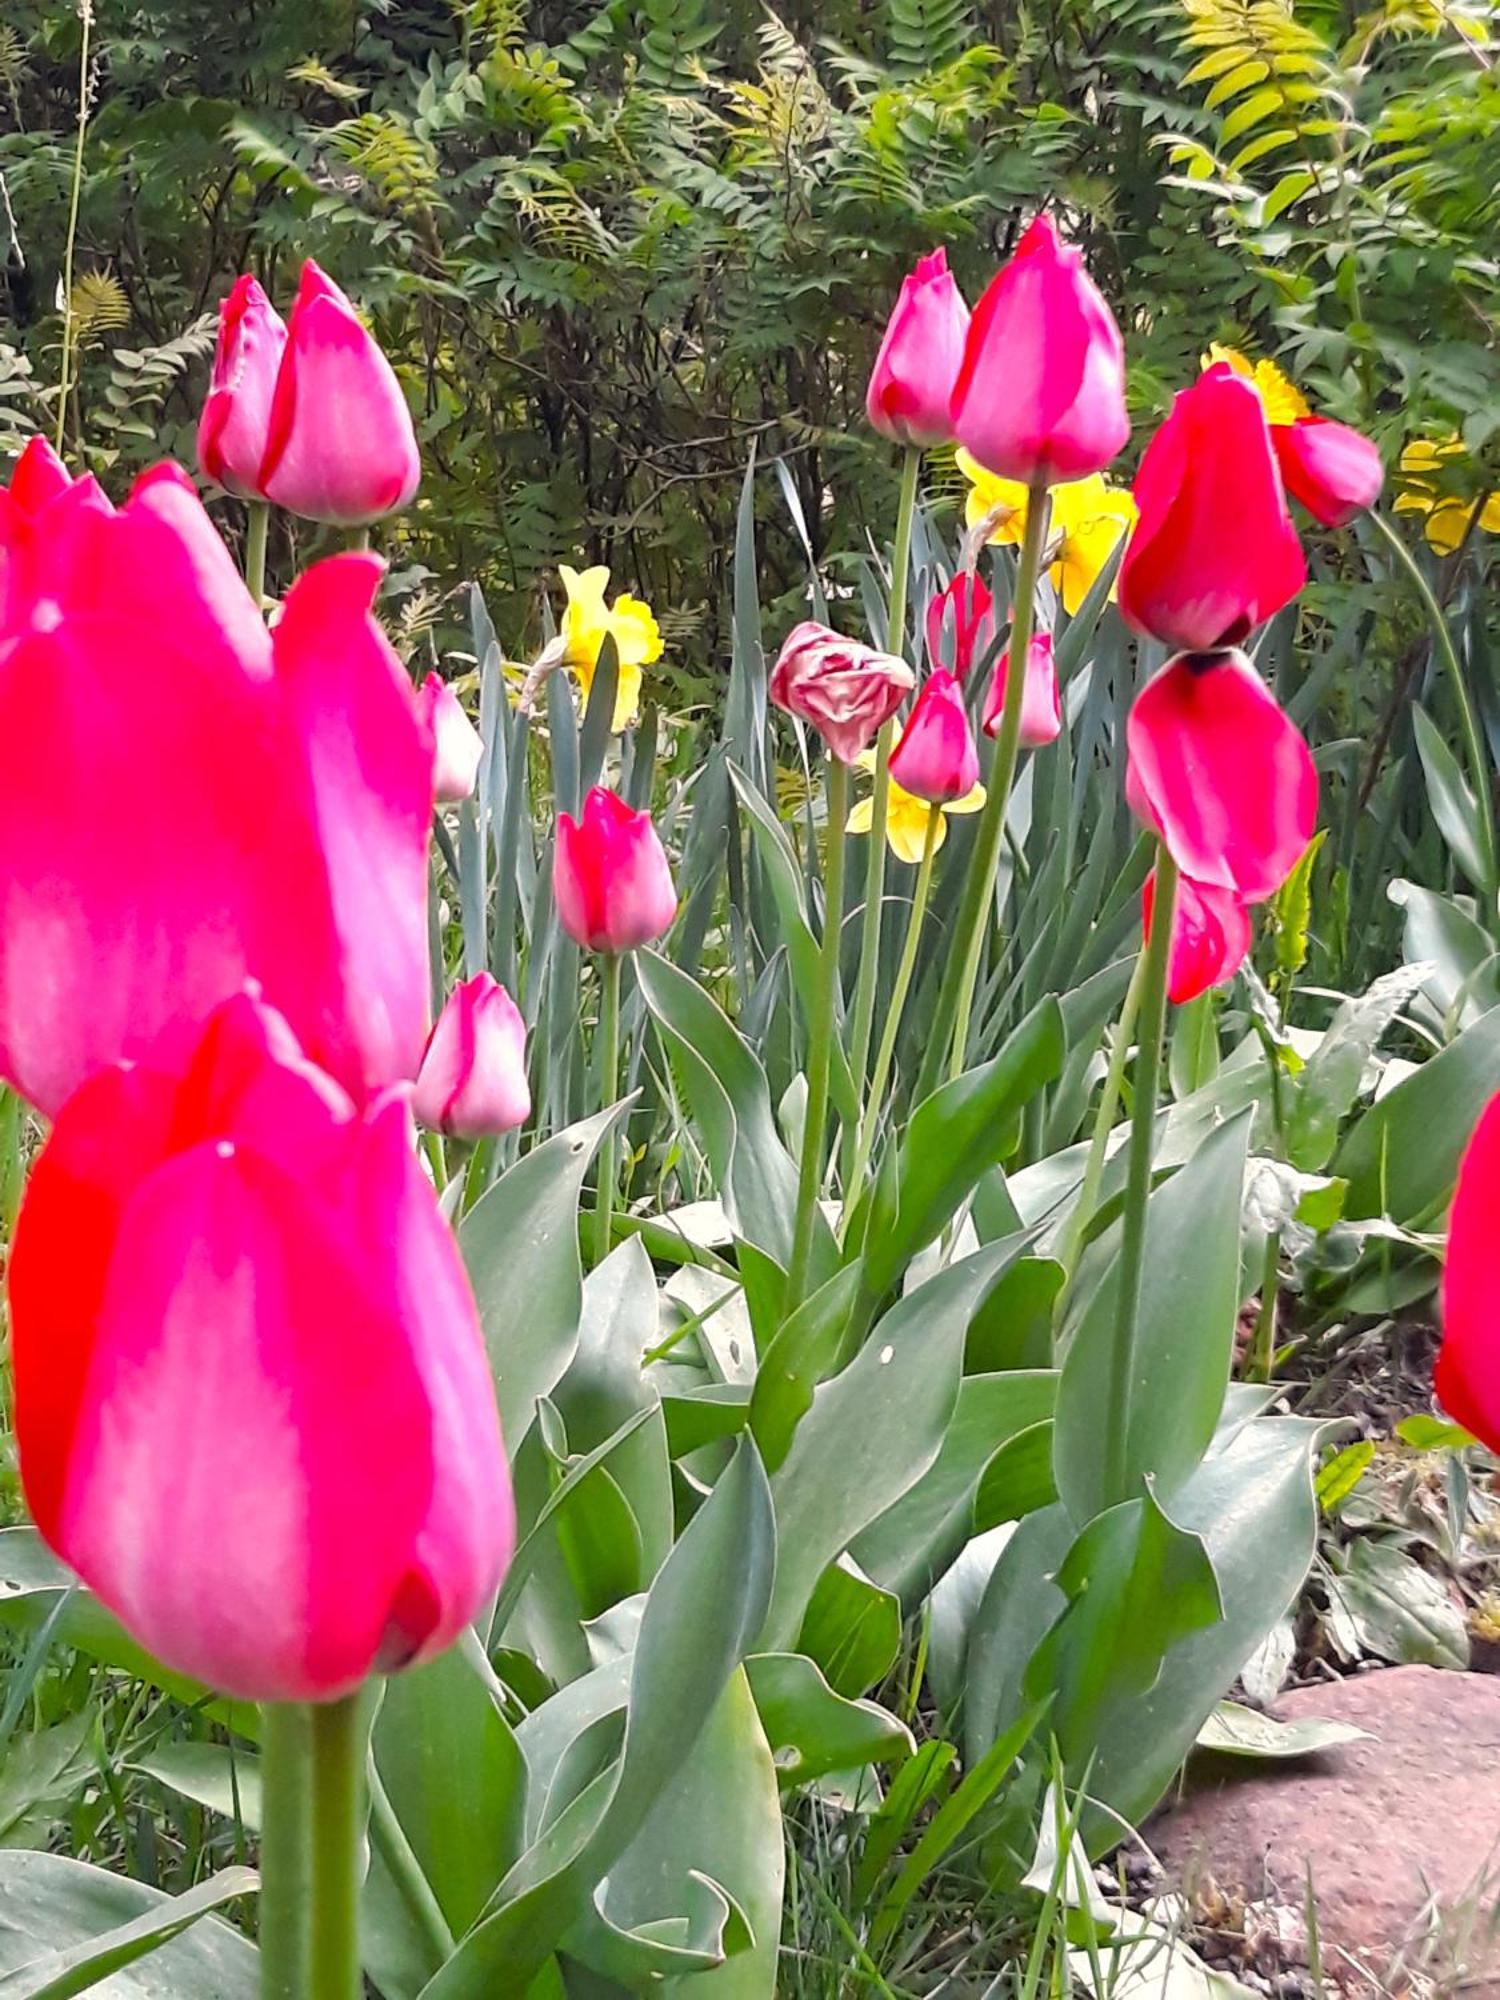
1088	519
1284	401
1448	514
906	816
588	621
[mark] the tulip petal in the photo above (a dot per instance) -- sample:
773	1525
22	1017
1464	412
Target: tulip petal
1468	1363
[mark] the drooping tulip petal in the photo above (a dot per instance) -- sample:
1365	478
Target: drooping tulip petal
911	385
1210	936
472	1082
611	877
936	758
960	623
236	419
842	689
1041	701
1334	471
457	745
1468	1363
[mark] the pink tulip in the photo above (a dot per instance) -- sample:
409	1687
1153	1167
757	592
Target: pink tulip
252	1399
1041	703
458	746
37	479
472	1082
1041	393
843	689
1214	553
1468	1363
187	801
911	385
613	885
936	759
1334	471
1210	936
966	609
237	415
340	444
1218	770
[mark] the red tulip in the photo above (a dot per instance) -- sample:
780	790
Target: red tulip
911	386
1334	471
237	415
967	610
340	444
457	744
1041	393
1468	1363
1217	769
37	479
843	689
611	879
187	802
473	1077
936	759
1041	704
1210	936
252	1399
1214	553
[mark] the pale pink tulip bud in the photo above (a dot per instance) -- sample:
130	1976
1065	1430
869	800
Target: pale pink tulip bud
1041	704
457	744
472	1082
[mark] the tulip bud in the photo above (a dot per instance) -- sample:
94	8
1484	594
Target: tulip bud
457	744
967	610
1468	1363
1041	392
1210	936
37	479
1041	703
911	385
1214	553
340	445
236	417
936	759
1216	768
226	1282
472	1082
1334	471
613	885
843	689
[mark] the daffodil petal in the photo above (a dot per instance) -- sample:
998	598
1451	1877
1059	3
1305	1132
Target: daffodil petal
971	802
861	815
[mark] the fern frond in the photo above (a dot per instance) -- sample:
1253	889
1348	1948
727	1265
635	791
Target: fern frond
322	78
97	305
400	168
927	35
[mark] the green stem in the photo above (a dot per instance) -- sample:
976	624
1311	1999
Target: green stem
284	1851
338	1735
1138	1183
257	521
388	1838
1071	1247
1263	1346
357	538
609	1086
820	1038
65	369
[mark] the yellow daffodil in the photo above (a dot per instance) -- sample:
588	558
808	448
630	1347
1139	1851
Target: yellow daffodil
1088	519
1284	402
588	621
906	816
1448	514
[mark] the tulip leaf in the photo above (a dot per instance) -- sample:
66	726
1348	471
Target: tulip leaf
1450	796
1401	1158
798	1356
813	1730
852	1630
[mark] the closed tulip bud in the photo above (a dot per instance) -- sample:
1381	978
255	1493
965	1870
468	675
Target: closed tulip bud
1041	703
253	1404
1334	471
936	759
842	689
1214	553
340	444
1041	393
457	744
911	385
960	623
1219	771
236	419
1210	936
1468	1363
472	1082
611	878
37	479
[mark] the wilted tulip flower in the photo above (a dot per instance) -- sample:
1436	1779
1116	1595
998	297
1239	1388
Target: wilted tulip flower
472	1082
611	877
1041	703
960	623
1334	471
911	385
936	759
1218	770
236	419
1041	393
457	744
843	689
1214	553
1210	936
252	1399
1468	1363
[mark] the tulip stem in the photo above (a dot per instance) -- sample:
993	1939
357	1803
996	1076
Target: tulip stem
957	1005
609	1088
1071	1246
257	522
1131	1265
338	1735
820	1038
284	1850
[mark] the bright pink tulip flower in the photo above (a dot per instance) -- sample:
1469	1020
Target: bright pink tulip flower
936	759
252	1399
1334	471
187	801
843	689
1041	703
457	744
1218	770
472	1082
611	878
1210	936
1041	393
236	418
1214	553
1468	1363
962	620
911	386
37	479
340	444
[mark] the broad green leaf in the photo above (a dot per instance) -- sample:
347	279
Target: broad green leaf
1320	1098
1233	1730
1018	1479
1343	1472
43	1767
1018	1605
1425	1432
811	1729
1194	1058
1401	1159
852	1630
800	1354
1012	1328
1401	1611
225	1780
1449	794
1457	953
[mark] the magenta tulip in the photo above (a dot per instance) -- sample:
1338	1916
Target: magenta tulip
1217	769
252	1399
472	1082
611	878
1468	1363
961	623
911	386
38	478
236	418
1210	936
842	689
1041	393
1334	471
936	759
1041	703
457	744
1214	553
